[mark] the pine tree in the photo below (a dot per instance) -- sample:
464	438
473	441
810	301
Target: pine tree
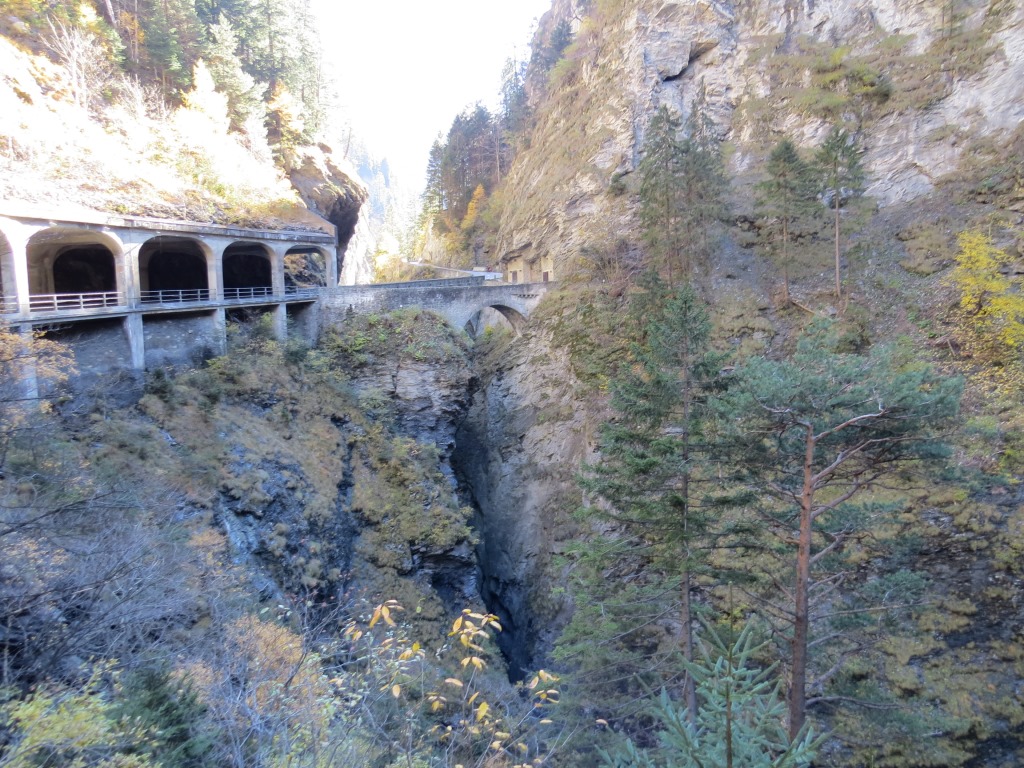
645	480
682	189
785	200
433	192
739	722
704	180
842	178
164	48
661	219
817	434
230	78
559	39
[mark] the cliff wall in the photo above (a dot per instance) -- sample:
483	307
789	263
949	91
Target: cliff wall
926	92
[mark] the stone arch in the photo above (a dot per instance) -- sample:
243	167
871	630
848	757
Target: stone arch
74	260
478	320
174	269
305	266
248	270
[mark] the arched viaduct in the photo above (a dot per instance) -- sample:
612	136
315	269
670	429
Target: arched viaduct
136	292
132	292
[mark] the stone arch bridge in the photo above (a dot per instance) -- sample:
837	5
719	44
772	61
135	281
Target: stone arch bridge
136	293
460	301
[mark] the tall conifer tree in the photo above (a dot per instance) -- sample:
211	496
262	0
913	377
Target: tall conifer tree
786	200
817	434
651	456
842	177
661	205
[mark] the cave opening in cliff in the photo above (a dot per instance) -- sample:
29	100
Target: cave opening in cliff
247	271
305	267
173	268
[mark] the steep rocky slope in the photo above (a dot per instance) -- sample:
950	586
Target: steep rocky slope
134	154
928	87
517	452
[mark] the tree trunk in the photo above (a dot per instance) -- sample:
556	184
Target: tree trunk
801	617
785	262
839	285
689	687
111	17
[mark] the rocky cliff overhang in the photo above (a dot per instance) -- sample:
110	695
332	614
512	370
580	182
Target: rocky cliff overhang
330	187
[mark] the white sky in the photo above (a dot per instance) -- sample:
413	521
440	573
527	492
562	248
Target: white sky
406	68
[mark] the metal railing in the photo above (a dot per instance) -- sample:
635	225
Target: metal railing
67	302
182	296
79	302
241	294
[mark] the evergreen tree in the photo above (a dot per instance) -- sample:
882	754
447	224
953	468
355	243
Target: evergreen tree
560	38
739	722
433	192
661	205
171	709
514	106
842	178
226	69
704	179
645	483
785	200
682	190
818	433
165	46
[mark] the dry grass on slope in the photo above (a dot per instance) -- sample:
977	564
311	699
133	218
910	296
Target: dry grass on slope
125	151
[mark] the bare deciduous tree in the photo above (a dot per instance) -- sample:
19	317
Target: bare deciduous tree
82	54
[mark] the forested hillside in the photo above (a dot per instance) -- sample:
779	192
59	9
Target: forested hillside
177	110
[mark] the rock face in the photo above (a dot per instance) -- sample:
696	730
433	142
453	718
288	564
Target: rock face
331	188
429	399
918	88
517	452
341	487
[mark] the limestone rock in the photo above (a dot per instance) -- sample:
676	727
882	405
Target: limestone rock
330	187
569	193
518	448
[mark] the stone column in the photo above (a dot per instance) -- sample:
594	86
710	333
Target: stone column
215	269
332	257
19	261
281	322
28	374
131	278
277	269
220	331
134	330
